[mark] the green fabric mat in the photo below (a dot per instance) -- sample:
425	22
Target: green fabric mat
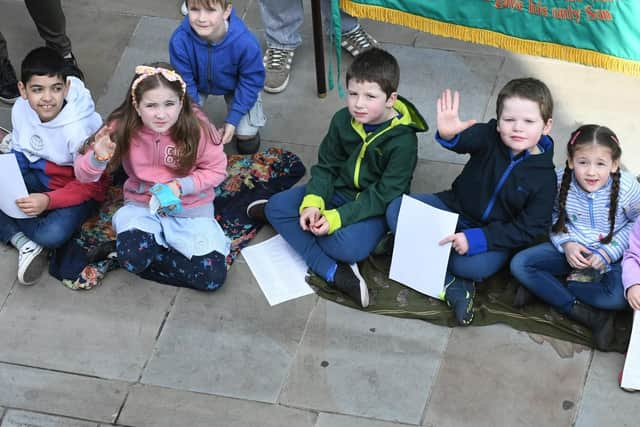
492	305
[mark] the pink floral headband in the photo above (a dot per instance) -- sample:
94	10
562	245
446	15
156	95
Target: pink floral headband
146	71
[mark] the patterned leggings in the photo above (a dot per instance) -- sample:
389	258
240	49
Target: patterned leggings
139	253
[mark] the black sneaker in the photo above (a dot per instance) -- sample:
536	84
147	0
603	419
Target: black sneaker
8	83
459	295
523	297
248	146
255	211
349	281
105	250
72	67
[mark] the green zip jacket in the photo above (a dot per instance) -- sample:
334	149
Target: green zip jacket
369	169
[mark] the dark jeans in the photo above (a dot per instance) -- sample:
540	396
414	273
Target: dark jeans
540	268
139	253
475	267
51	24
351	243
50	229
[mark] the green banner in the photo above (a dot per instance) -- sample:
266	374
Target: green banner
602	33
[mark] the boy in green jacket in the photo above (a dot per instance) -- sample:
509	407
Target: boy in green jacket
365	161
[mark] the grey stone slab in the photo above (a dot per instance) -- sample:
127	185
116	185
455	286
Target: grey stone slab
335	420
16	418
148	44
59	393
159	407
603	401
5	116
583	95
108	332
9	269
372	366
153	8
98	47
496	376
422	81
230	342
431	177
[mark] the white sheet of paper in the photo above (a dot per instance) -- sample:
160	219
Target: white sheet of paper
418	261
631	371
279	270
11	186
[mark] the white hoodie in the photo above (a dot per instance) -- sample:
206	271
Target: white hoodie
57	140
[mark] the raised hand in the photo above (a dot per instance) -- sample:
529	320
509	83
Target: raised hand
103	146
447	118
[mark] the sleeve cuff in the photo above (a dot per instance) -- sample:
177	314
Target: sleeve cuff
312	201
477	241
334	220
98	164
447	143
187	185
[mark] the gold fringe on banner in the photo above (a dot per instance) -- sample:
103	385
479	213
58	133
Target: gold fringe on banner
492	38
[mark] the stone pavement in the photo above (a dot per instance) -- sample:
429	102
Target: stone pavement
136	353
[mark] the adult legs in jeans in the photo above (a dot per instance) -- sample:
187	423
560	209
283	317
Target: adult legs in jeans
349	244
139	253
282	20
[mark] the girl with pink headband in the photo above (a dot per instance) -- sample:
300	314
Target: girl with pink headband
173	158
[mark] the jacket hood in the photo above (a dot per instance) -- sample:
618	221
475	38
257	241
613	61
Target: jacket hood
411	117
236	29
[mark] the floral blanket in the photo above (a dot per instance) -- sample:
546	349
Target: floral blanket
250	177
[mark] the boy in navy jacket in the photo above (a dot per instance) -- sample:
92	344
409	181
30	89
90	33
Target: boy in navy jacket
505	193
215	53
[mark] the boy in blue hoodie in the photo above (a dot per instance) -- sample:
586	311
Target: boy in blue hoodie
216	54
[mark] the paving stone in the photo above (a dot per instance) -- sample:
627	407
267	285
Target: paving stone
16	418
356	363
59	393
495	376
582	95
334	420
431	177
422	82
603	401
230	342
108	332
148	44
159	407
9	269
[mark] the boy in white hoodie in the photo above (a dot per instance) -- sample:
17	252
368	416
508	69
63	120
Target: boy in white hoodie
51	120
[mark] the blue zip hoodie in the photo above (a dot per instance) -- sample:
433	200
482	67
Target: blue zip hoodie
230	66
507	199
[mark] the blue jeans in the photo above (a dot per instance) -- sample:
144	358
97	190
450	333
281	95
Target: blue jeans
282	20
50	229
539	269
476	267
348	244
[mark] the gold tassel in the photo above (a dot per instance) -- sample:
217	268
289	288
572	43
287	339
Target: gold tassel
492	38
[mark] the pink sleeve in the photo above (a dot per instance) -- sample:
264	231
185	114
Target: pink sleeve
631	259
87	168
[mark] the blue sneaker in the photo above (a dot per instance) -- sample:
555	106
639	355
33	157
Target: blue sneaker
459	293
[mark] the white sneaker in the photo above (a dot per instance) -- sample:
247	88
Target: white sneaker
183	9
32	260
